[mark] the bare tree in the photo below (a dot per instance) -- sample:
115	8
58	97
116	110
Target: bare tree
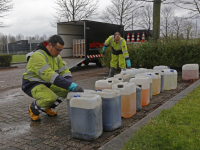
11	38
188	26
5	6
122	12
74	10
19	37
192	5
36	37
178	24
44	37
167	14
147	17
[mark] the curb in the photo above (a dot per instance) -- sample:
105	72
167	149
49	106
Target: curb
118	142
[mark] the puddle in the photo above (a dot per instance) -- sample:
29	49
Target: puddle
11	97
15	130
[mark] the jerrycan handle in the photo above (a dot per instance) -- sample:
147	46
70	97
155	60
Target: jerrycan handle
120	86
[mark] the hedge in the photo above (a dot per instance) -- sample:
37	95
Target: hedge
149	54
5	60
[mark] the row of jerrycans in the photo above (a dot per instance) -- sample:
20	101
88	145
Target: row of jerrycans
91	112
131	95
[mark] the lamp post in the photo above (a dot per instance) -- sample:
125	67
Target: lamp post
7	44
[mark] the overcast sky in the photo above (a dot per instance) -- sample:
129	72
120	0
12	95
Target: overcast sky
31	17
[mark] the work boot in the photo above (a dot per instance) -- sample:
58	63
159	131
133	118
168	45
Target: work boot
33	117
112	72
49	112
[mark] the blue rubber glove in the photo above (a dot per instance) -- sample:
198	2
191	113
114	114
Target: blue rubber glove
104	50
72	86
128	63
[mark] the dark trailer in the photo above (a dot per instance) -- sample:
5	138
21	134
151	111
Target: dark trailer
84	38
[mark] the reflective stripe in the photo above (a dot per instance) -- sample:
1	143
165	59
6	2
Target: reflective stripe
62	69
28	72
42	69
35	79
126	56
120	43
66	74
125	51
57	60
60	98
43	54
38	107
54	77
111	40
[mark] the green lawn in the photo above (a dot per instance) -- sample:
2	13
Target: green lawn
177	128
18	58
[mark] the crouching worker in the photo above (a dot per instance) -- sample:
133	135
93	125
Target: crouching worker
47	78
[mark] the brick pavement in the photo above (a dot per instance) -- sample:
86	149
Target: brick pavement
17	131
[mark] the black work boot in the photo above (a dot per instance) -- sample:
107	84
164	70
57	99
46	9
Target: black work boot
112	72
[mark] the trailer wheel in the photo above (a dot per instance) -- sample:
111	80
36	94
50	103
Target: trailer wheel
79	64
98	63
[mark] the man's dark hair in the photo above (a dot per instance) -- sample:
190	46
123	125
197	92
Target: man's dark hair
117	33
56	39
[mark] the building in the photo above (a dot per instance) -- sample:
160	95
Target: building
20	47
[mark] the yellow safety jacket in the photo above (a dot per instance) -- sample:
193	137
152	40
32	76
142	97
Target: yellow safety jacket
117	48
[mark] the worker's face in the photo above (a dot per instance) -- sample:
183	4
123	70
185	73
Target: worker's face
117	38
55	50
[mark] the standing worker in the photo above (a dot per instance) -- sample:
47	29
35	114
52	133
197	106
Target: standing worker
47	78
119	53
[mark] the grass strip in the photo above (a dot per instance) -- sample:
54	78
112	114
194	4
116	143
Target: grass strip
176	128
18	58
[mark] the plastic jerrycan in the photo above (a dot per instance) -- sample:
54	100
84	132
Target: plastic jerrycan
128	98
161	73
150	81
143	70
111	109
173	78
115	80
131	71
70	95
103	84
144	81
86	117
167	79
125	77
138	97
160	67
190	71
155	80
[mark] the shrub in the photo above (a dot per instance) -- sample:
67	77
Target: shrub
174	53
5	60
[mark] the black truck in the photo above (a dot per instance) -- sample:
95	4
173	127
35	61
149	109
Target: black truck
84	38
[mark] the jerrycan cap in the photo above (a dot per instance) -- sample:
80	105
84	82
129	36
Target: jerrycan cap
140	86
120	86
162	71
119	78
149	74
77	95
157	73
171	70
168	67
123	69
109	81
98	90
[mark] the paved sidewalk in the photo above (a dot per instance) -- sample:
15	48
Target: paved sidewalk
17	131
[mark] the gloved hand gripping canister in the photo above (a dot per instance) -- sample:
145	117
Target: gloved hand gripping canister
75	88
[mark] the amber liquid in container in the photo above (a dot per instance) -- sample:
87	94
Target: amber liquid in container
145	97
190	74
128	105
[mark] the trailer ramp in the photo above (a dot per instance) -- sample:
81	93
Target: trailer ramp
71	62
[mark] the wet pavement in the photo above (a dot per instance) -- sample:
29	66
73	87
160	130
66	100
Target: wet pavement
17	131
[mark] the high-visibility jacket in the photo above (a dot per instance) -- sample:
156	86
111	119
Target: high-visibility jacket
46	69
117	48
